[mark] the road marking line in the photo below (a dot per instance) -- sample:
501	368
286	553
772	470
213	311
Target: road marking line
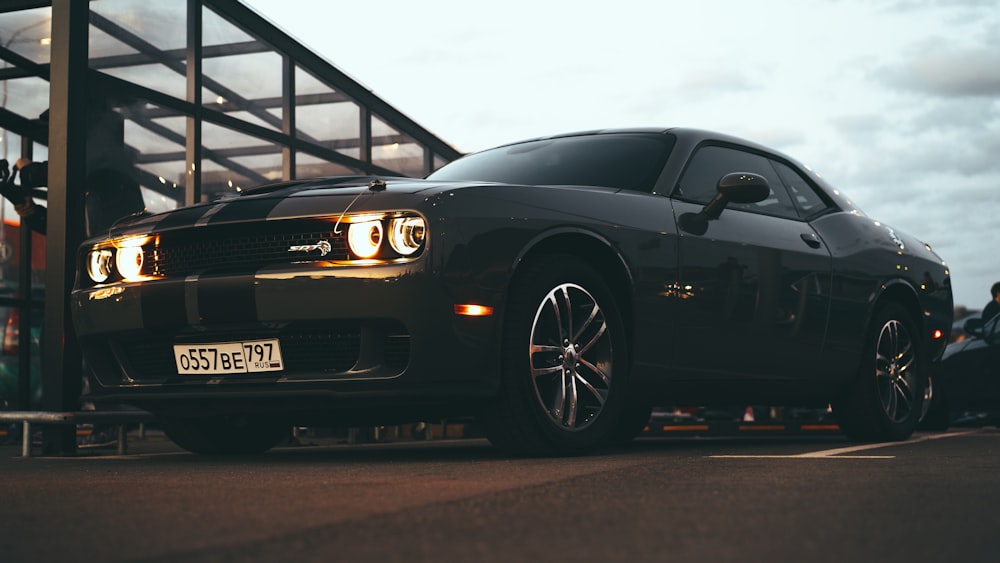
836	453
801	456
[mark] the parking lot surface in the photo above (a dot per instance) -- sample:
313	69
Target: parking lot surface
735	498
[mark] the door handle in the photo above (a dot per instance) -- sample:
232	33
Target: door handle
811	239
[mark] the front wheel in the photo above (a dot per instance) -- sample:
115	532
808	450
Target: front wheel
564	362
936	416
224	435
884	403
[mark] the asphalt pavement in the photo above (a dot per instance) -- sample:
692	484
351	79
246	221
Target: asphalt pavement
736	498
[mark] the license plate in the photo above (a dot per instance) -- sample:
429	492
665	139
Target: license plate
250	356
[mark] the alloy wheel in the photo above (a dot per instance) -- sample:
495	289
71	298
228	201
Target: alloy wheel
571	357
896	371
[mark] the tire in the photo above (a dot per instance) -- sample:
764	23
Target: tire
884	403
564	362
936	417
633	420
224	435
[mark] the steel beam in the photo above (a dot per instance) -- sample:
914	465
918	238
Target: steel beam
62	368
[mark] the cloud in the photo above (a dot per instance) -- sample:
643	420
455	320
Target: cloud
939	69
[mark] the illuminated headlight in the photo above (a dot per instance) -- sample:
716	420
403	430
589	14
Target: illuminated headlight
406	234
365	238
99	265
129	262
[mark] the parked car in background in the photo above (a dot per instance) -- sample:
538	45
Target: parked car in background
958	331
557	288
966	381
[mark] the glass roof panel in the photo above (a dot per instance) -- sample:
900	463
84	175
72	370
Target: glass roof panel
244	79
216	30
28	33
161	24
27	97
140	42
396	151
234	161
309	166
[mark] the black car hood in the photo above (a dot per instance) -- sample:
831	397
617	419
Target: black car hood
290	200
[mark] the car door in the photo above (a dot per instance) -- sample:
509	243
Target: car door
756	300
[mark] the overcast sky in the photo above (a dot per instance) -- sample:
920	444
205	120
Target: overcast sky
895	102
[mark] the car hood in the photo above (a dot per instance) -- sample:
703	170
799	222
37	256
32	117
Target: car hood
333	186
316	198
293	200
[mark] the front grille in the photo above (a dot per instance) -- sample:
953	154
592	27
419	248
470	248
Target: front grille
321	351
181	253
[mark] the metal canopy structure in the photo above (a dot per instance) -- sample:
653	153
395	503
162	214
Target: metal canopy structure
209	98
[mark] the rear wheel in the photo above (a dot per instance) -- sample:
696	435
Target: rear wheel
224	435
564	362
885	401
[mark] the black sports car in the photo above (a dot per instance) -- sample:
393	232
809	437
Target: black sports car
557	288
966	382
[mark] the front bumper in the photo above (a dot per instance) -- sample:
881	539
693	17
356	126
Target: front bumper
383	334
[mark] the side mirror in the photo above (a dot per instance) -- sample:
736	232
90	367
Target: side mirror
974	326
737	187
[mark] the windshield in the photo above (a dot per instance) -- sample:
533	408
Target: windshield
626	161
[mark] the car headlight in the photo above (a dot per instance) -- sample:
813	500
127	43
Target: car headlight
406	234
129	261
365	238
99	265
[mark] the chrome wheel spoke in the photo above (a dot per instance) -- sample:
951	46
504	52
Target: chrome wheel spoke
558	315
605	378
895	370
542	348
902	389
600	332
889	401
590	319
573	403
559	400
538	372
572	389
601	397
566	330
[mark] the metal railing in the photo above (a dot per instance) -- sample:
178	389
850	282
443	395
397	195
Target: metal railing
121	419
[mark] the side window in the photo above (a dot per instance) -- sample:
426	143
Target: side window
709	164
804	196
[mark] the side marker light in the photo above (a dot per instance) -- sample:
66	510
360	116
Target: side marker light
473	310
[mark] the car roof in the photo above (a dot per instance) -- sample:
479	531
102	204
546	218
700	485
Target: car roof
689	134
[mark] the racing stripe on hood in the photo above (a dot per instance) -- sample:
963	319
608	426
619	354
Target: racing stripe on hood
225	299
163	305
183	217
243	210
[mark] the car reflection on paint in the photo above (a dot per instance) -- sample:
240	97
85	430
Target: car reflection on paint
556	288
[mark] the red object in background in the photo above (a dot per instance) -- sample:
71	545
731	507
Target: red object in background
12	253
12	331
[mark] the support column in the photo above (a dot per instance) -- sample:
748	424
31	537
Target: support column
365	138
27	308
288	105
192	172
62	364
